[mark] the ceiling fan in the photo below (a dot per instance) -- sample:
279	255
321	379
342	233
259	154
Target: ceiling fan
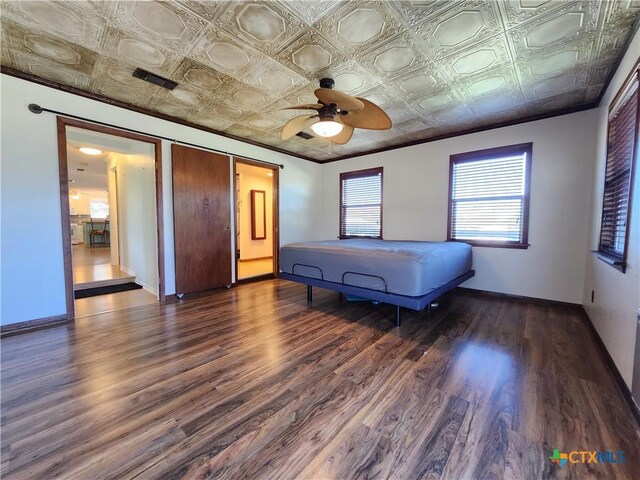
337	114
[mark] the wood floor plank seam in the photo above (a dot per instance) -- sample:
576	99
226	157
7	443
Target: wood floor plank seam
253	382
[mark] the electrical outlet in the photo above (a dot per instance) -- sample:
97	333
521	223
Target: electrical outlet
593	294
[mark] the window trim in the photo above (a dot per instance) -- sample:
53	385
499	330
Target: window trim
358	174
487	154
616	261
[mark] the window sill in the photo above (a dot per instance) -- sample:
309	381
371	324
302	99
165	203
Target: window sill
615	262
517	246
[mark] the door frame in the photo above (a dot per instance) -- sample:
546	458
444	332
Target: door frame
275	209
62	124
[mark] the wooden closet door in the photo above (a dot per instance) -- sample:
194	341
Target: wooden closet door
201	219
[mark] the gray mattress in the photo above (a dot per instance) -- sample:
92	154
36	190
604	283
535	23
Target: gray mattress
408	268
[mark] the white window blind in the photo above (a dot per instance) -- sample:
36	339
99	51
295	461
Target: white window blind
489	196
361	203
621	151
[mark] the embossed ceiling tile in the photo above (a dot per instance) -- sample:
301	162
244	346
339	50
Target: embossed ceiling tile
59	19
140	96
351	78
248	98
226	53
467	23
418	83
265	25
45	68
211	121
206	9
598	74
416	12
553	62
500	80
166	23
359	26
624	11
394	58
140	51
310	11
423	134
201	79
103	8
516	12
477	59
433	103
384	95
593	93
301	96
274	79
574	80
562	26
6	59
263	122
557	102
402	113
230	111
57	50
458	116
112	71
167	105
311	55
611	44
499	102
413	125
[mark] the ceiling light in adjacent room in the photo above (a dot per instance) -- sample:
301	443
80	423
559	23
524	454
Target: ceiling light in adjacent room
327	128
90	151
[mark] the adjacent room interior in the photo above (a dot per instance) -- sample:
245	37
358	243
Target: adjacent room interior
359	239
113	240
255	204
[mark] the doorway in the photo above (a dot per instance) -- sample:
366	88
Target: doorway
111	216
256	220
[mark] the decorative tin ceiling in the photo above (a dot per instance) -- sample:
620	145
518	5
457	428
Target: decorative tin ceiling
437	67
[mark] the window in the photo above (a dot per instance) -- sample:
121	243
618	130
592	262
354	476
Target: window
361	203
622	148
99	208
489	196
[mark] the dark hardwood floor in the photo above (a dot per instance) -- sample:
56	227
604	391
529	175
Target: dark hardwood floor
252	383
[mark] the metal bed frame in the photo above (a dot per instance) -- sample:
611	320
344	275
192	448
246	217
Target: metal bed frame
383	296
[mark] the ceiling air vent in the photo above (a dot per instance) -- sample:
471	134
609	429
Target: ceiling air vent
155	79
304	135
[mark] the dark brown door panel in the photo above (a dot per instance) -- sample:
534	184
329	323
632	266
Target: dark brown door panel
201	211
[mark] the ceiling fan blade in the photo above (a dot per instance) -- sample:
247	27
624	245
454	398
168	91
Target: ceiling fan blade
371	117
344	136
342	100
306	106
297	124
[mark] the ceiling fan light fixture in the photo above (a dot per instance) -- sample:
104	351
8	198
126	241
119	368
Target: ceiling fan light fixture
327	128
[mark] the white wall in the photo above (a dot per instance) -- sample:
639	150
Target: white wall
617	294
32	274
137	238
254	178
415	202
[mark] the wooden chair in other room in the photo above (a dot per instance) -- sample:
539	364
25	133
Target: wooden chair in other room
102	233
